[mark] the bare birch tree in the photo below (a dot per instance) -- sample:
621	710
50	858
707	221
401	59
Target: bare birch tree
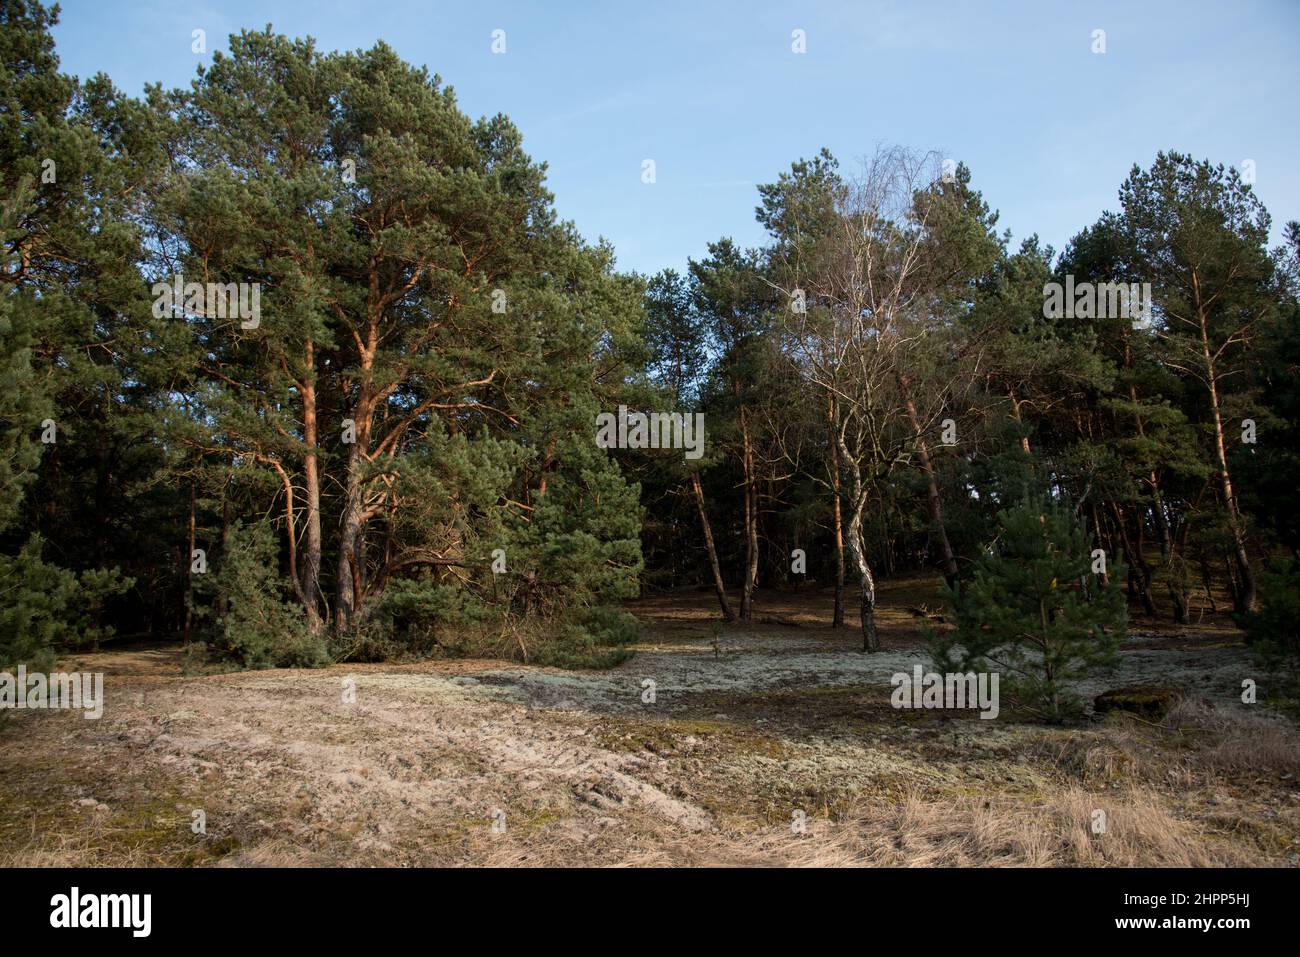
849	338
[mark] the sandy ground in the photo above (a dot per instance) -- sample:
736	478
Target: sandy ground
776	745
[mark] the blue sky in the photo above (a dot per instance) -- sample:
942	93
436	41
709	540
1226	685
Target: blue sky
713	94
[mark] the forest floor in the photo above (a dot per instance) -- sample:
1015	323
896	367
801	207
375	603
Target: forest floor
771	724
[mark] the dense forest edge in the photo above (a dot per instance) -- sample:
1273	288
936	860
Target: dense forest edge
301	367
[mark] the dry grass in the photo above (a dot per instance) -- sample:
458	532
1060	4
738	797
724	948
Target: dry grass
1237	742
922	830
791	716
998	832
1195	742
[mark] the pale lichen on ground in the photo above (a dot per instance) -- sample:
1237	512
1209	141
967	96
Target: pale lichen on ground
582	768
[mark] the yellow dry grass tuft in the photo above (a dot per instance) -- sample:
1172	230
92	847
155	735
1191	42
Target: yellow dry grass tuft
1057	830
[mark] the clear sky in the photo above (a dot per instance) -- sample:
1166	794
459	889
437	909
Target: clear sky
712	92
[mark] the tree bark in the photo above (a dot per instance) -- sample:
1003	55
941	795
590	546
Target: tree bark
311	553
751	522
867	595
858	549
837	620
191	533
713	552
1246	593
349	577
1015	414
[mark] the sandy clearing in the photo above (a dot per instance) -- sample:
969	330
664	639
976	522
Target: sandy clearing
576	765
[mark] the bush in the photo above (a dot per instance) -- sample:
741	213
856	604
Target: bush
37	611
1273	631
260	628
415	618
45	606
596	638
1033	611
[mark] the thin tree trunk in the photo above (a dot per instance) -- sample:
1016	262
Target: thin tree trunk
858	549
1175	583
713	552
1177	594
189	565
222	600
1234	586
751	522
1246	593
838	619
1139	568
937	527
867	595
1015	414
1103	538
1205	581
311	552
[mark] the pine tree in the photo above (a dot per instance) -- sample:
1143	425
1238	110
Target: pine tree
1033	610
66	286
433	348
1199	235
677	339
